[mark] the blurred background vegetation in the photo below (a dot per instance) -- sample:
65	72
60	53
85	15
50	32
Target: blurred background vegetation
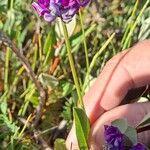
43	44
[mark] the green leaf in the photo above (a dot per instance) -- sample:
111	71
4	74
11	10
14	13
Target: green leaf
121	124
67	87
11	125
49	40
3	107
82	126
34	100
48	80
48	46
60	144
131	134
145	121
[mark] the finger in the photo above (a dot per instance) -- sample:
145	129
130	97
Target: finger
123	72
134	113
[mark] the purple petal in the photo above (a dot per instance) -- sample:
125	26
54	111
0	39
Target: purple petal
55	9
68	14
44	2
49	17
39	9
65	2
72	3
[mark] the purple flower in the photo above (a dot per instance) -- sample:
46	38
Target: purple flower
65	9
138	146
113	137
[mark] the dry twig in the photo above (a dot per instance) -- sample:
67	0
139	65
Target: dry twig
4	39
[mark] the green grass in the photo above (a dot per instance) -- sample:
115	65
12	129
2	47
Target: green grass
100	31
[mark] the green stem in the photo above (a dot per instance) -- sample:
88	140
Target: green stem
72	64
96	57
10	4
40	47
84	41
7	58
135	24
35	57
24	127
130	22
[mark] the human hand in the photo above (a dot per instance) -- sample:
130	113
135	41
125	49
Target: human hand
128	70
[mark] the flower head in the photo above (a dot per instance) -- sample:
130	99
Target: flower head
113	137
65	9
138	146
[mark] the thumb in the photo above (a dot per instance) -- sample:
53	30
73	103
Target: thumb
134	113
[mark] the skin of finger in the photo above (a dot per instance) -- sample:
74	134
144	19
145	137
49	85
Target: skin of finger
137	63
123	72
131	72
96	92
134	113
115	80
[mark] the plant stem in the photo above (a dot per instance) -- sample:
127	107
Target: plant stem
142	129
125	45
130	22
25	126
7	58
40	46
72	64
10	4
96	57
84	42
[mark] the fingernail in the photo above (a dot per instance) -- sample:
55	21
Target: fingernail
73	147
94	147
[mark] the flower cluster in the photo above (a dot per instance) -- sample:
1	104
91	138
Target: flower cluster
65	9
115	139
